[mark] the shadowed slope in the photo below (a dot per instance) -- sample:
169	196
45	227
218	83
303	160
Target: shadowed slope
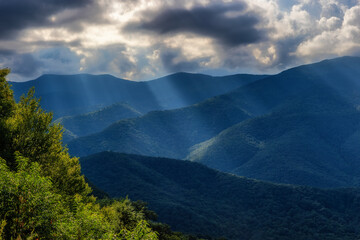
303	142
93	122
163	133
193	198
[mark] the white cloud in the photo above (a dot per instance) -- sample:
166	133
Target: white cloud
330	24
338	40
352	17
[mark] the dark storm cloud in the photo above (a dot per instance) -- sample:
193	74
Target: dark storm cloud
52	44
284	49
16	15
6	52
25	65
50	60
174	61
230	24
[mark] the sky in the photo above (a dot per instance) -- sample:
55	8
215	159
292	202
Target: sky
146	39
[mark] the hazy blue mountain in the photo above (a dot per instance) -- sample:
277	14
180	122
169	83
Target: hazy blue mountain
153	133
196	199
262	96
67	95
184	89
85	124
77	94
163	133
68	136
310	140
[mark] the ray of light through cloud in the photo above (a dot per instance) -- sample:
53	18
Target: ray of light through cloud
141	40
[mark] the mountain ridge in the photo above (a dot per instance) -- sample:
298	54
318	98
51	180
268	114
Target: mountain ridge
82	93
221	204
295	141
89	123
293	106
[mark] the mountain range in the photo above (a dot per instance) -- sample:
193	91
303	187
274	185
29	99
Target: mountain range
196	199
88	123
68	95
300	127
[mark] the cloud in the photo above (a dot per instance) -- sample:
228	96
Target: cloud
347	3
305	31
174	61
137	39
6	52
17	15
352	17
230	24
25	65
113	59
344	39
57	60
332	10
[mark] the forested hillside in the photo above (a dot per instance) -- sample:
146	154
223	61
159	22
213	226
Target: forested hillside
86	124
163	133
196	199
310	140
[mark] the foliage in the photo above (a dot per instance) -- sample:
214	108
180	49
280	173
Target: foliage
122	215
139	210
42	192
141	231
27	211
32	135
7	105
7	102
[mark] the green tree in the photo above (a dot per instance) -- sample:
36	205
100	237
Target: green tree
7	102
26	211
42	192
7	106
142	231
34	136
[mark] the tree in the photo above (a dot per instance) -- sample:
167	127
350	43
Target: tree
24	210
42	192
34	136
7	105
7	101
